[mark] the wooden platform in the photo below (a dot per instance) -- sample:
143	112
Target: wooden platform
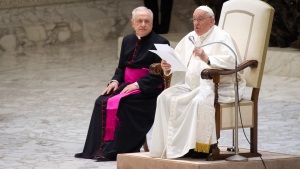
143	161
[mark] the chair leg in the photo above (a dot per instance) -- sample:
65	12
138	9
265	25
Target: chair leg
213	152
145	146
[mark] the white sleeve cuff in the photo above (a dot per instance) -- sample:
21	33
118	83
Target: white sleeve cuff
136	84
168	73
114	81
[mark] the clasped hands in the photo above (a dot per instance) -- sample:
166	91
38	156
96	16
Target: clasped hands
114	85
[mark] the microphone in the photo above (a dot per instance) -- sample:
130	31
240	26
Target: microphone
192	39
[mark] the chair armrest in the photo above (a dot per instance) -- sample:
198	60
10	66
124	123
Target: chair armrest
155	68
210	73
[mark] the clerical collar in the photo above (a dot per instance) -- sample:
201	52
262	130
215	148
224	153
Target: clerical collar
205	35
144	37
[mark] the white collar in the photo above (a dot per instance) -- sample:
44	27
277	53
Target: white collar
204	36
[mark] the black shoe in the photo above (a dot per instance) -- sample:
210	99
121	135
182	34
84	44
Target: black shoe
199	155
196	155
102	159
189	154
79	155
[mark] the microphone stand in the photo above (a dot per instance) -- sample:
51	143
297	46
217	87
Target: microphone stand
236	157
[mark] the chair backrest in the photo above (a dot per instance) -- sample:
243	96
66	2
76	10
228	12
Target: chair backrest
249	23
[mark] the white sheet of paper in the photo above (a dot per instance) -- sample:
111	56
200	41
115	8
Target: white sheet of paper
167	53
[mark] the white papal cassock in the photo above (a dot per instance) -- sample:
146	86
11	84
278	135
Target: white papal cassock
185	113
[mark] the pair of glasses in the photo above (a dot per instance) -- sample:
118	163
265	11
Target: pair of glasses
140	21
193	20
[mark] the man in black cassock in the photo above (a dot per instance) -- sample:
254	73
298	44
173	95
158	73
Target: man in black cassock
124	113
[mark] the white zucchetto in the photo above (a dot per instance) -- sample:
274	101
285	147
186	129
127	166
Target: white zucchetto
206	8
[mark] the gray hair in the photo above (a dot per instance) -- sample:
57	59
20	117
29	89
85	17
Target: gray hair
142	8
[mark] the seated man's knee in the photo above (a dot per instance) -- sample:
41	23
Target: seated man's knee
99	100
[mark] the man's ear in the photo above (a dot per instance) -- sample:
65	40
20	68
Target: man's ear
132	22
212	20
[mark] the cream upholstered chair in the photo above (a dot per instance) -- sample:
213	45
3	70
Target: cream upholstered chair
249	23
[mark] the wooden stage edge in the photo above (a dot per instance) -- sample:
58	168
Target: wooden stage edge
271	160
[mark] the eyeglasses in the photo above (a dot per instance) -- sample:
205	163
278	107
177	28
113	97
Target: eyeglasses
140	21
198	20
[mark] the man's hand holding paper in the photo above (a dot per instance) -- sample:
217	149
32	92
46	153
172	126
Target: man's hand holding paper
165	65
167	53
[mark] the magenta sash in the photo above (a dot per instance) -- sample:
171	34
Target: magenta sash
131	76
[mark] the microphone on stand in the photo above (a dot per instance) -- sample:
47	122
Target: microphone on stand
192	39
235	157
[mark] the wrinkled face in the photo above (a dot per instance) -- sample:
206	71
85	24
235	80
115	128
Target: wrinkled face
202	21
142	23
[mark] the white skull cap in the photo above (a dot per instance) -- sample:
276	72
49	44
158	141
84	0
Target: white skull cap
206	8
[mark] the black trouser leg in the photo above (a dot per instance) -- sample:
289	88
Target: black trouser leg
153	6
166	11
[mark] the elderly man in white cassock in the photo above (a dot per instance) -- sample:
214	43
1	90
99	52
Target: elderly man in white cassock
185	114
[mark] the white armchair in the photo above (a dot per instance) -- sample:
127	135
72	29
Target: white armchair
249	23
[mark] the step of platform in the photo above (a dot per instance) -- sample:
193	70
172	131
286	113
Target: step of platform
143	161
